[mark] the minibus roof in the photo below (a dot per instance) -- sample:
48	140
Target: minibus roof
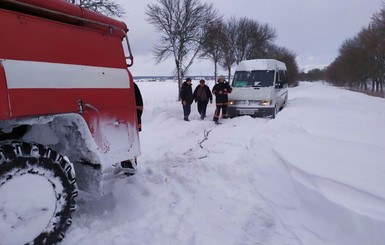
260	64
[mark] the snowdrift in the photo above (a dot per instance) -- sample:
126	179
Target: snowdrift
314	175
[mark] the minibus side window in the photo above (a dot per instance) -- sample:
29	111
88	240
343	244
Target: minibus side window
277	79
283	77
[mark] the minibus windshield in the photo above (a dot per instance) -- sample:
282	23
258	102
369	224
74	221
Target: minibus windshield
256	78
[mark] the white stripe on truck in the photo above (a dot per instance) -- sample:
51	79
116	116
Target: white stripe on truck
33	74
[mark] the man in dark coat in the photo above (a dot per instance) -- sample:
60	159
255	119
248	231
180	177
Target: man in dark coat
186	96
221	91
128	167
139	106
202	96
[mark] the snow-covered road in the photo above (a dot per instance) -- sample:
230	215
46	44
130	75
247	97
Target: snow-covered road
314	175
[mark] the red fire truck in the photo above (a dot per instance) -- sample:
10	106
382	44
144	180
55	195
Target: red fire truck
67	113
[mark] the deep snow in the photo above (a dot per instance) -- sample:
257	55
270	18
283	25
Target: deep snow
314	175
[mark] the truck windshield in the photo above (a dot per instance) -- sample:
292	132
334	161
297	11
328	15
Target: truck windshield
260	78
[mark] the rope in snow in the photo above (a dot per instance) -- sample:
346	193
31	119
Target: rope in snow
193	153
206	137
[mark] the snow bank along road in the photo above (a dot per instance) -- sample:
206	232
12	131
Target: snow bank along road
314	175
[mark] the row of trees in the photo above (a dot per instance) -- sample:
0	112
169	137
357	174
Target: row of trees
226	43
191	29
361	60
312	75
229	42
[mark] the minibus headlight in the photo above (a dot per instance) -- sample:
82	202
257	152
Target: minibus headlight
266	102
231	102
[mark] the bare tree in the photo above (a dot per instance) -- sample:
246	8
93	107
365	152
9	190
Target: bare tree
377	29
182	23
252	39
368	56
212	44
228	44
283	54
236	40
262	37
106	7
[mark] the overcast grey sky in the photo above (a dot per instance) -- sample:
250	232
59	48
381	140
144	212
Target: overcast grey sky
312	29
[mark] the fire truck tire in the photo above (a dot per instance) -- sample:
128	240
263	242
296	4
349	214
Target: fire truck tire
37	194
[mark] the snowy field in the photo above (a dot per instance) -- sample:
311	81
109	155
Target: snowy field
314	175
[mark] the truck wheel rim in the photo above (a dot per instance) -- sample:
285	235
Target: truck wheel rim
25	209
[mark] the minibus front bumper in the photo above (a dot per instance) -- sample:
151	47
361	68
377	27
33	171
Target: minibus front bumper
235	111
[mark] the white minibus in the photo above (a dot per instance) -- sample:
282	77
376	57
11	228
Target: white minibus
260	88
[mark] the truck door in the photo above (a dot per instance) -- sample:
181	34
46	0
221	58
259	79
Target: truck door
4	103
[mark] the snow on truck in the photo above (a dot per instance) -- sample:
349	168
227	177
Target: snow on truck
67	112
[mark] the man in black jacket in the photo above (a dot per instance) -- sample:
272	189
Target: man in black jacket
139	106
221	91
128	167
202	96
186	96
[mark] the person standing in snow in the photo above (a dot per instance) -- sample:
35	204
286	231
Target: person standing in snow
128	167
221	91
139	106
202	95
186	96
